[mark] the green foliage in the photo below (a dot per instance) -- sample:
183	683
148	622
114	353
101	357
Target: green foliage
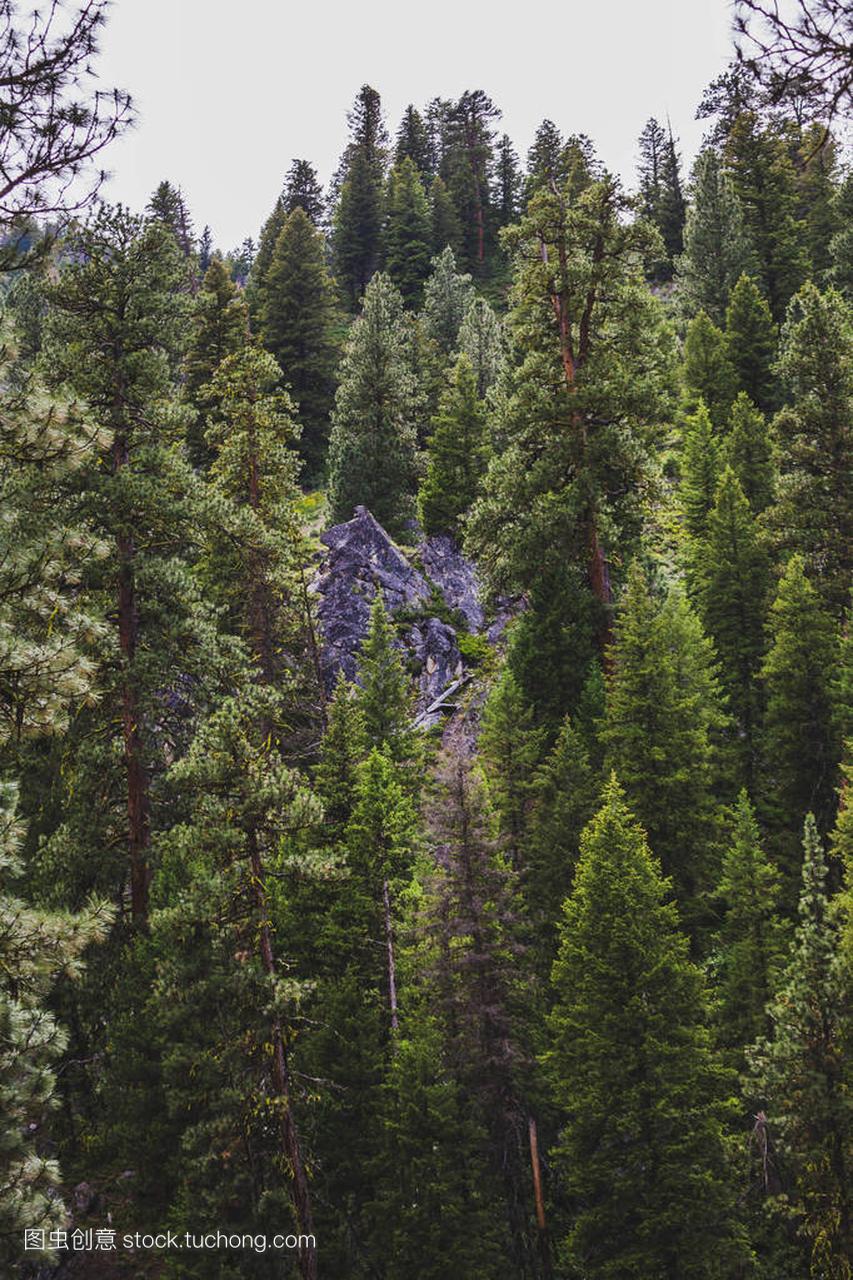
634	1075
708	371
408	235
700	471
372	450
385	699
750	941
481	340
799	1073
445	228
814	515
764	179
447	296
663	706
661	197
800	744
219	327
748	450
296	321
510	746
732	584
457	454
751	343
717	250
358	228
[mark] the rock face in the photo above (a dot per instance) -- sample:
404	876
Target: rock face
361	558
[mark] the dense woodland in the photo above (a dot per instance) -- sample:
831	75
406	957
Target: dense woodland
560	988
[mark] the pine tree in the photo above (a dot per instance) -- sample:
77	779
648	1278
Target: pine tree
168	207
549	495
37	948
634	1075
751	343
481	340
471	915
303	190
764	180
466	166
408	234
700	473
507	180
510	747
256	282
372	445
815	159
296	326
840	273
219	327
205	249
800	745
663	705
661	197
359	215
457	454
814	514
732	590
798	1071
748	450
717	250
385	698
544	166
447	296
750	939
708	371
564	798
412	142
445	227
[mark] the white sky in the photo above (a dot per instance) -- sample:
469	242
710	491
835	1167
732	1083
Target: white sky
229	91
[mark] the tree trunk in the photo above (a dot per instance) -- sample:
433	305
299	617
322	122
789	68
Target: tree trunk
541	1223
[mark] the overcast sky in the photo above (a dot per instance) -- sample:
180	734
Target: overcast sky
229	91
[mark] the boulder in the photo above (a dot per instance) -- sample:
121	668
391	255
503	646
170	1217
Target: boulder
455	577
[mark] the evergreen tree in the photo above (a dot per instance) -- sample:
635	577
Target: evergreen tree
750	939
457	454
798	1071
408	235
205	249
717	250
260	265
732	589
634	1075
359	215
296	326
751	343
219	327
700	474
412	142
763	177
564	798
661	197
815	160
373	442
800	746
559	497
466	166
303	190
510	747
168	207
385	698
37	948
481	340
748	450
445	227
663	706
447	296
814	515
507	182
708	371
544	167
343	748
841	245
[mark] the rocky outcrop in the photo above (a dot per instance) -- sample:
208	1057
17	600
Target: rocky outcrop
360	559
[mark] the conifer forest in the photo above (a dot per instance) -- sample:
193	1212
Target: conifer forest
426	690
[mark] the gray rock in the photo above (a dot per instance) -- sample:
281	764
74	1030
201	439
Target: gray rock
455	577
433	643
